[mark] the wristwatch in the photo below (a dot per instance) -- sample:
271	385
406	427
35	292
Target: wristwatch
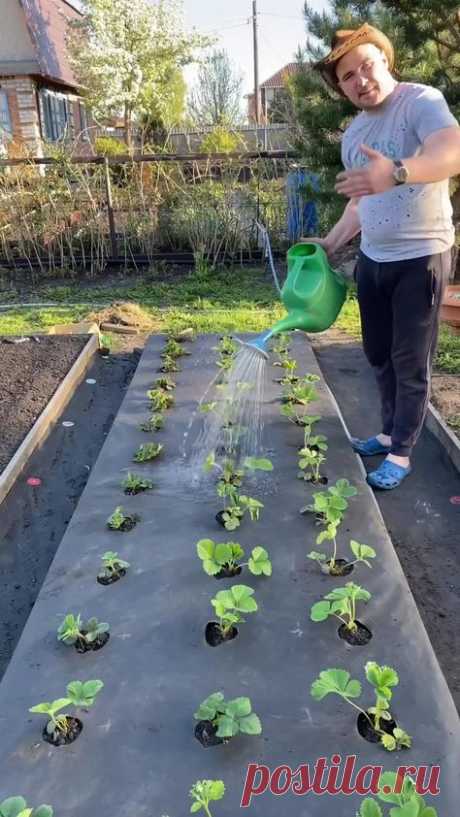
400	172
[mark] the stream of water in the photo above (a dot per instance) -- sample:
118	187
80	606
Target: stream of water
233	426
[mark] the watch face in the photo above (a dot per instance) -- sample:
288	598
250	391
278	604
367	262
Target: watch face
401	174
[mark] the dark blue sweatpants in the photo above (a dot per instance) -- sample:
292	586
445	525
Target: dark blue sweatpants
399	302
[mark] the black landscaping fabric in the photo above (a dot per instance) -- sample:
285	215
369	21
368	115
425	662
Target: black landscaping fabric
137	753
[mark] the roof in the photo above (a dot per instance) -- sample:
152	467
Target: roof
278	80
47	22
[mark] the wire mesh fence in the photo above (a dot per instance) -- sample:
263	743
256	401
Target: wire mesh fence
67	214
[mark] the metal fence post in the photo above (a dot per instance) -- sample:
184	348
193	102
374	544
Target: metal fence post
108	187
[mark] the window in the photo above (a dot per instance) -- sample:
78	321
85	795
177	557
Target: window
55	109
5	119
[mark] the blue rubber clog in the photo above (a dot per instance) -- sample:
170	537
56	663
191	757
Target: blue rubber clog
388	476
368	448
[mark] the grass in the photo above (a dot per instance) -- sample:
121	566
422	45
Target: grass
243	300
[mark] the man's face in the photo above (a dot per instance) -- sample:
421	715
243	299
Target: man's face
363	76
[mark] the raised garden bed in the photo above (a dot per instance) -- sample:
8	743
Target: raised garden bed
157	668
30	374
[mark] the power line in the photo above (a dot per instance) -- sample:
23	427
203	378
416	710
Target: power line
227	28
282	16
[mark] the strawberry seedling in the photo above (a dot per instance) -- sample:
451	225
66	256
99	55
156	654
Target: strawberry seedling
229	604
147	452
17	807
382	678
132	484
229	718
310	462
203	791
341	603
362	553
63	728
165	383
160	399
400	791
169	364
224	558
122	521
113	567
155	423
174	349
85	635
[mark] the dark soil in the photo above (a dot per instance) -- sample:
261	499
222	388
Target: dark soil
40	515
84	646
214	636
341	568
205	732
320	481
115	577
219	518
358	638
368	732
74	728
30	374
228	573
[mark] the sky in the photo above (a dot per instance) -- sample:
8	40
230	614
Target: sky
281	28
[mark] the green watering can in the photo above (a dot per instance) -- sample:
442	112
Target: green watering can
313	294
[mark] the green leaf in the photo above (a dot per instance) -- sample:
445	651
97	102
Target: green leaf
12	806
43	811
318	557
429	811
370	808
255	464
205	548
228	727
238	707
241	595
381	677
389	742
251	725
337	681
83	693
209	707
52	707
362	551
27	812
320	611
216	790
388	780
259	562
410	809
223	553
195	807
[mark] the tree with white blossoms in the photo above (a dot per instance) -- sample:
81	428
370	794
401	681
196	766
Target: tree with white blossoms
124	53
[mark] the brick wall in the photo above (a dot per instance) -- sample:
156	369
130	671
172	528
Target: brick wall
22	101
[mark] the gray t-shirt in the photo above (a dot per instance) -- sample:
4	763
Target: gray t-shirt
411	220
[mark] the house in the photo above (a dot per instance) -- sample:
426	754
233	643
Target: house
272	94
39	96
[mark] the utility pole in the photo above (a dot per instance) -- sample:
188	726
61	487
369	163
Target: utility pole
256	63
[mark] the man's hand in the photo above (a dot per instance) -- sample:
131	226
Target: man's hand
375	177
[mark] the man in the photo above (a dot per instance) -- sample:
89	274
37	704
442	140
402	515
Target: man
398	154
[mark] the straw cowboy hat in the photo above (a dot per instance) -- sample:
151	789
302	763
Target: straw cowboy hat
343	42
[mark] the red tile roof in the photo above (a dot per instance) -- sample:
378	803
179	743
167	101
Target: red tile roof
47	21
278	80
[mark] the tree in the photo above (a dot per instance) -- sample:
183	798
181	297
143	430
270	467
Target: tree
216	96
426	36
124	53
